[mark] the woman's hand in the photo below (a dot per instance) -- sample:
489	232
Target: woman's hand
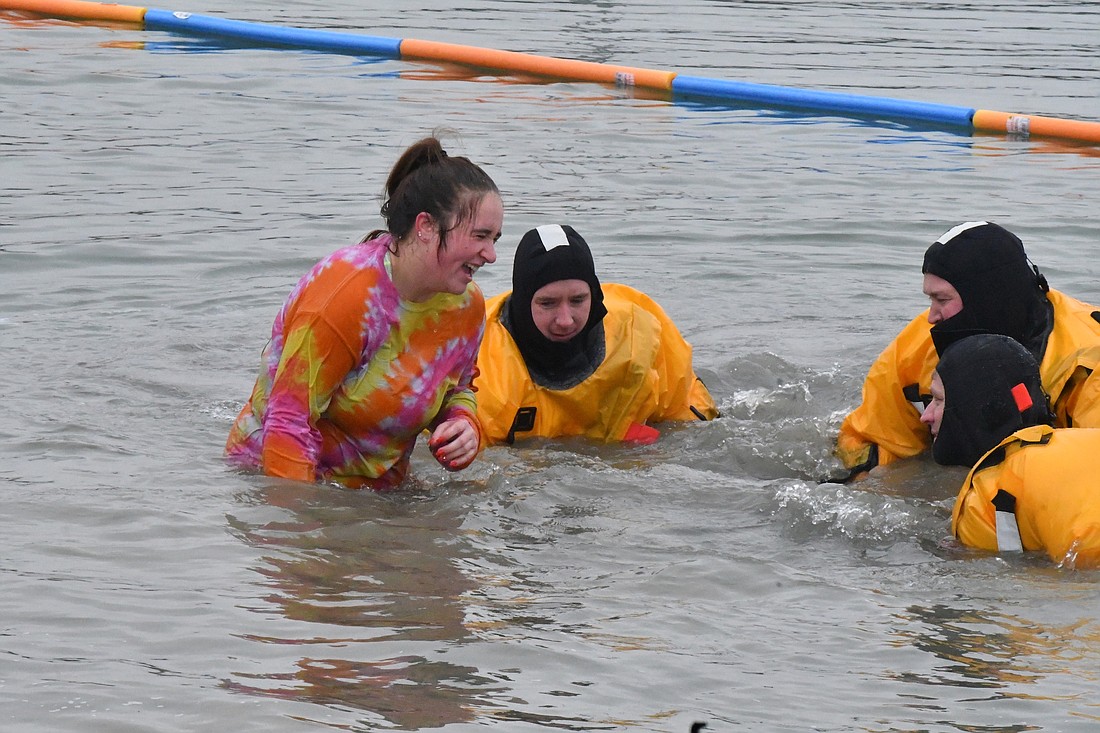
454	444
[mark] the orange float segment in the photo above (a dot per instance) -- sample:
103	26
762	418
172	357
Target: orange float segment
489	58
985	119
77	9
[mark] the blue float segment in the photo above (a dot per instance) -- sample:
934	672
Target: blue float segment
771	95
268	35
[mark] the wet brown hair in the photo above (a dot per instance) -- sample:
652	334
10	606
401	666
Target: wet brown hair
425	178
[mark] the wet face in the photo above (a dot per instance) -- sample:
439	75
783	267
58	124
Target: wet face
560	309
933	414
944	300
470	245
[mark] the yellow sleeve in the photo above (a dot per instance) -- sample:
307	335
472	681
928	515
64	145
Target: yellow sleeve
679	388
501	383
1078	405
886	422
1070	361
973	519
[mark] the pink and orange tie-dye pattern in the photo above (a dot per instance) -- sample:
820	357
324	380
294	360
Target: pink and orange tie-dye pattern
353	374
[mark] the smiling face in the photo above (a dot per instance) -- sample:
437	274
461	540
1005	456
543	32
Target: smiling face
560	309
933	414
944	299
471	244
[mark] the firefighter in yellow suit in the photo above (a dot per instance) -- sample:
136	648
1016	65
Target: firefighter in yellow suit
564	355
1032	487
978	280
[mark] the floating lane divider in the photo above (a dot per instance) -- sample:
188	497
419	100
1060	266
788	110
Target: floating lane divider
719	90
409	48
771	95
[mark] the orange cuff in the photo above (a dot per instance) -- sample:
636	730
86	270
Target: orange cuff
641	434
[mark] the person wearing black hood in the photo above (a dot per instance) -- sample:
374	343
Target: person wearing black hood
978	280
566	355
1031	486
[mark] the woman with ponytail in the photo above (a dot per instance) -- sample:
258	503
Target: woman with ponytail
378	341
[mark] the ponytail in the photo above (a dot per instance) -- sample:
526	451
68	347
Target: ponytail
426	179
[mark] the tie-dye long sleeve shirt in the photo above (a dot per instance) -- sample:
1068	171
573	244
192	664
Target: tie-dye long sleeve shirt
353	374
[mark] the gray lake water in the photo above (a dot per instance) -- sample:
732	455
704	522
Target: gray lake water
160	195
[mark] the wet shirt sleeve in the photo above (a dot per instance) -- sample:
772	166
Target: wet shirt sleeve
322	344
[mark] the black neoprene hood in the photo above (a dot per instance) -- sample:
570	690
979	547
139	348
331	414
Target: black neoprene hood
991	389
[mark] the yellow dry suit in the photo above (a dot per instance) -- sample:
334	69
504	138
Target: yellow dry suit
886	425
646	376
1039	490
